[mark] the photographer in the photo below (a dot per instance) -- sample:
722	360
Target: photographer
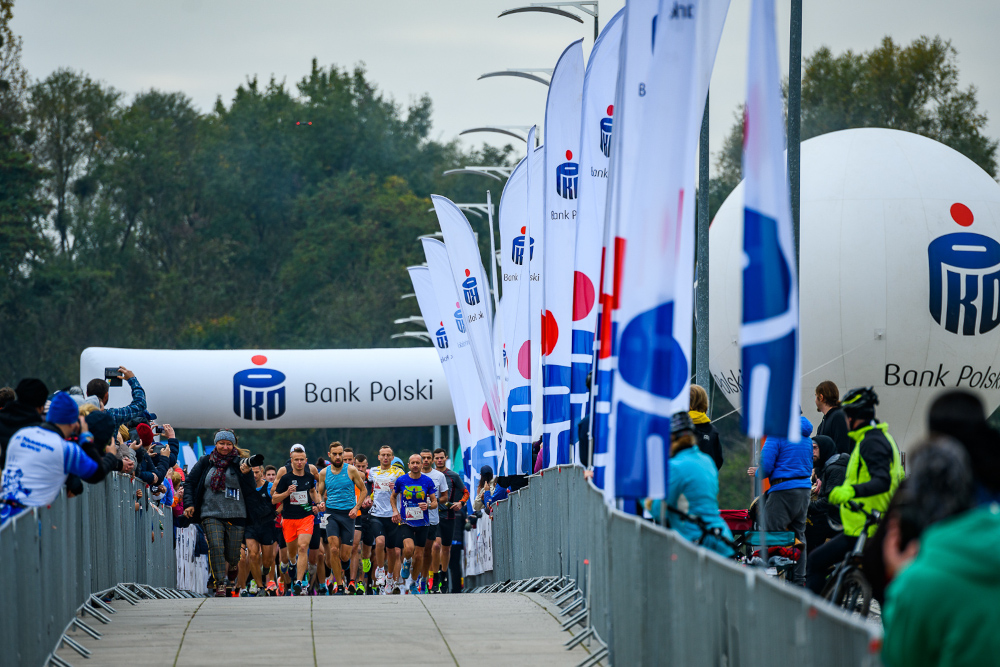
216	494
153	458
100	389
489	492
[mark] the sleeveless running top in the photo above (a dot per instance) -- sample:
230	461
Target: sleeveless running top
339	490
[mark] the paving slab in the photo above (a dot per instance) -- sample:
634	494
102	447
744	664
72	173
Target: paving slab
412	630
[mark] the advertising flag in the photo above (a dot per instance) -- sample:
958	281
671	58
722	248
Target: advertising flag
516	249
475	425
562	179
596	129
535	229
656	304
769	335
635	53
475	300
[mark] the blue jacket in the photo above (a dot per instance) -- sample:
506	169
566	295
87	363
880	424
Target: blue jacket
781	459
693	475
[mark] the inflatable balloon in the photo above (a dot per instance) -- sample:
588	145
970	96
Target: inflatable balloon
900	275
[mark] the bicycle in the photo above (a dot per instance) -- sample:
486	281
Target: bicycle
706	530
847	587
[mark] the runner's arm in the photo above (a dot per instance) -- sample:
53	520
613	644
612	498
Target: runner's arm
432	501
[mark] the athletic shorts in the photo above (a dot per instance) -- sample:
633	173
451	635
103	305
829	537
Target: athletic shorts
340	525
319	537
418	535
279	536
432	532
384	526
292	528
263	532
367	531
445	530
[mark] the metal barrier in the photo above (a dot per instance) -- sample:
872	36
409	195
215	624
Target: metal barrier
53	558
655	598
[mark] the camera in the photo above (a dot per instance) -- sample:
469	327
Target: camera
253	461
158	430
112	376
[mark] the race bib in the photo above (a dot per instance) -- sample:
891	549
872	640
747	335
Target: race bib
414	514
300	497
233	493
323	519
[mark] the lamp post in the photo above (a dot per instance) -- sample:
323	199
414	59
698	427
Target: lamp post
509	130
498	173
523	73
588	7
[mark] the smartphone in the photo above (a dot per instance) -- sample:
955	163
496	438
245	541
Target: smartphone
111	374
158	430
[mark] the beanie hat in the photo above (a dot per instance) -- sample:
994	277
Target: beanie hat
101	425
32	392
145	434
62	410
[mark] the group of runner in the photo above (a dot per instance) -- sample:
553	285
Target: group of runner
330	520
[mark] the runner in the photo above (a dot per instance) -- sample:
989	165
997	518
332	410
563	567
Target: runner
418	496
432	548
383	480
278	550
289	559
337	486
259	537
296	492
457	495
364	536
317	544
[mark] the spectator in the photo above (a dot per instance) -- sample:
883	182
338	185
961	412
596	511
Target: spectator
216	496
708	437
153	458
100	388
834	422
41	457
830	467
788	465
538	456
941	607
26	410
694	485
489	492
960	414
7	395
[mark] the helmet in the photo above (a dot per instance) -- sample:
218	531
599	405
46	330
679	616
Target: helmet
680	422
860	403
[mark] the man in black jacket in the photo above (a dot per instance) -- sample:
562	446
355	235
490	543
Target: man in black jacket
27	410
830	467
834	423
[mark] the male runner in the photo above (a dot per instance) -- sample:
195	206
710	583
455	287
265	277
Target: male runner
383	480
259	537
337	485
288	562
457	494
418	495
279	551
364	536
432	548
296	493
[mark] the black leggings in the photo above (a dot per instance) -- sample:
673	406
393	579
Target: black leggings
224	540
824	557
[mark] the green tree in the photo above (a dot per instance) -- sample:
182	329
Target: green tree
21	211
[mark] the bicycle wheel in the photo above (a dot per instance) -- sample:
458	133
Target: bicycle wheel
855	594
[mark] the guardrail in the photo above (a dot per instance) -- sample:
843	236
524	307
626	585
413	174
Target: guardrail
53	558
655	598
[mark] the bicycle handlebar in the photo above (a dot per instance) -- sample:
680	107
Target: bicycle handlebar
873	516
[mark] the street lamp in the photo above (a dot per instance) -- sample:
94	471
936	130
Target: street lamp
523	73
588	7
504	172
509	130
408	320
419	335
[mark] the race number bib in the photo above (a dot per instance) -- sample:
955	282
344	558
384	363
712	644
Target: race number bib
300	497
414	514
233	493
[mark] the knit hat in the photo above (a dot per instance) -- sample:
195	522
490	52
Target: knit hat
62	410
145	434
32	392
101	425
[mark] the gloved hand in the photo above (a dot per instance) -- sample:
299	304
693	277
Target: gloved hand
841	494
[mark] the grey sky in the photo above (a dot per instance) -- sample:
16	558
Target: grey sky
206	48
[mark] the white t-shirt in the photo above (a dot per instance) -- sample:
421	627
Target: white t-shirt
383	482
441	482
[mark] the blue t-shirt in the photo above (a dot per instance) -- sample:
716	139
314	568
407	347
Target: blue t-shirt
411	493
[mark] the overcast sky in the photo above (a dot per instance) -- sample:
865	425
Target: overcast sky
206	48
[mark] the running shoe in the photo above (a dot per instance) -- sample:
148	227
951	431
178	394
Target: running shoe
351	588
360	589
406	568
262	592
271	588
252	589
220	591
297	588
380	576
244	593
414	589
421	584
322	590
366	565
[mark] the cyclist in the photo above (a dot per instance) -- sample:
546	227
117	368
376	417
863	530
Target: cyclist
874	471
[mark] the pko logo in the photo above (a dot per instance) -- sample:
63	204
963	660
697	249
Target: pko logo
470	289
257	392
442	337
567	177
606	124
517	252
459	322
964	278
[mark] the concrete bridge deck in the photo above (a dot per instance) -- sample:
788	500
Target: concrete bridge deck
408	630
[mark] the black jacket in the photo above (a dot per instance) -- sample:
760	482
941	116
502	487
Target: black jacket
834	425
708	442
195	483
147	464
831	476
13	418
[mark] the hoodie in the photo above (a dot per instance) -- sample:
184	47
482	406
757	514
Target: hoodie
942	609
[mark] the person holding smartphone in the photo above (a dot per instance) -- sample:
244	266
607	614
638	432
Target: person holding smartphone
101	389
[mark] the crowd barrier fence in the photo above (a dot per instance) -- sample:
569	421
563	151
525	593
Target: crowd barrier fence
53	558
658	599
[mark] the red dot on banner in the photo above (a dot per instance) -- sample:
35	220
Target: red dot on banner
486	417
611	109
259	359
468	425
550	333
467	273
961	214
569	155
583	296
457	305
524	360
522	229
442	323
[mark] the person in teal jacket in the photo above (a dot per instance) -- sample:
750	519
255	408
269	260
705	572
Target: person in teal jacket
694	487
